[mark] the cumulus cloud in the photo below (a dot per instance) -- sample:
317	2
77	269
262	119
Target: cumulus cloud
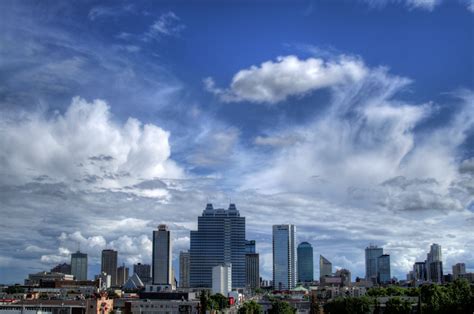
275	81
84	143
428	5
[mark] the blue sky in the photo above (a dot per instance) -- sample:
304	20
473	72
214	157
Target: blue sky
351	119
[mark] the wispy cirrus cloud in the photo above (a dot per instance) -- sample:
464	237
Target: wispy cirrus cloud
167	25
99	12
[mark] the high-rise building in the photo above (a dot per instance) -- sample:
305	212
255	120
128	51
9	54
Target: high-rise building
458	269
252	271
325	267
109	265
220	239
79	265
383	269
434	264
284	257
345	276
222	279
250	246
62	268
122	275
143	271
371	254
184	258
419	271
305	262
161	258
436	271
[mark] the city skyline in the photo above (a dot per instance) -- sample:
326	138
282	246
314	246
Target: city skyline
350	120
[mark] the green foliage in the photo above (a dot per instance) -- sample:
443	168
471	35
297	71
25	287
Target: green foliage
15	289
259	290
204	301
218	302
251	307
395	305
349	305
457	297
281	307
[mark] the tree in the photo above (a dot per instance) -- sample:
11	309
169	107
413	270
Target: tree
315	309
251	307
349	305
281	307
204	301
396	306
218	301
15	289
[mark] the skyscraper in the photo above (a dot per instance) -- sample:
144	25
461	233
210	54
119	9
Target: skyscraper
419	271
79	265
161	258
220	239
383	269
284	257
250	246
371	254
252	271
325	267
305	262
434	264
184	269
109	265
122	275
458	269
143	271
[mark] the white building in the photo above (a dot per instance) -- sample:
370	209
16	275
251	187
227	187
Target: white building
284	257
222	279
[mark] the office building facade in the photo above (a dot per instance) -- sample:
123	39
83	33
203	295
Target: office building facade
222	279
161	257
325	267
109	264
305	262
184	264
252	271
250	247
79	265
122	275
372	253
458	269
219	239
383	269
284	257
434	264
143	271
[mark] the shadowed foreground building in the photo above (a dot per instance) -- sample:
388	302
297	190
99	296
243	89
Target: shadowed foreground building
220	239
143	271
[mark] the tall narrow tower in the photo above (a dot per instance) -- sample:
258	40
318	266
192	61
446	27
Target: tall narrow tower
284	257
161	259
109	265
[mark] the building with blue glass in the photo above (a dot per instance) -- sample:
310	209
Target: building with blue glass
284	257
305	262
219	239
383	269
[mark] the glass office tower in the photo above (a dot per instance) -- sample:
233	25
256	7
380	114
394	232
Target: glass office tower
284	257
305	262
383	269
220	239
79	265
371	254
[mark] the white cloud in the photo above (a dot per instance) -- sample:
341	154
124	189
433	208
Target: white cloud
168	24
84	144
428	5
273	82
